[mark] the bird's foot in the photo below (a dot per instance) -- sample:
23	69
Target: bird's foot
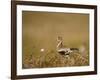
66	56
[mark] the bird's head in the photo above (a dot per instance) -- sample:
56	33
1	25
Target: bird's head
59	38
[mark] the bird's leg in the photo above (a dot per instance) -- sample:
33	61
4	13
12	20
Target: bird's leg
67	56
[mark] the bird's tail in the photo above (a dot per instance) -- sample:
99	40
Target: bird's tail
76	49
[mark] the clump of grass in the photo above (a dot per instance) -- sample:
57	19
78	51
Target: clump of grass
54	59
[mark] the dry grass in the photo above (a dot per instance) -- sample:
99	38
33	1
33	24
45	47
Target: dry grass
54	59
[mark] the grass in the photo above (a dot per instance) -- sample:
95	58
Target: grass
54	59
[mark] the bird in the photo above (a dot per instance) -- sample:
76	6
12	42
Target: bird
64	50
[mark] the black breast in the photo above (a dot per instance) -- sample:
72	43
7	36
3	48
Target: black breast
62	52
